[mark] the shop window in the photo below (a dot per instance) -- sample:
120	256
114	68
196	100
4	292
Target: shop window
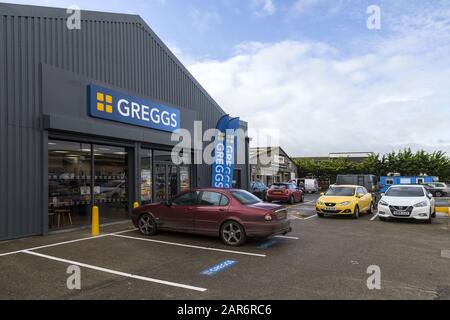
185	178
146	176
69	183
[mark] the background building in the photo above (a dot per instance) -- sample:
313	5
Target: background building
351	156
62	152
281	169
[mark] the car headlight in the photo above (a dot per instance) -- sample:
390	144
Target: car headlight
383	203
345	203
421	204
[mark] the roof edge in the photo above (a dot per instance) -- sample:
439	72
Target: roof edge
10	9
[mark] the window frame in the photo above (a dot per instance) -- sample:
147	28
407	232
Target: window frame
200	195
196	199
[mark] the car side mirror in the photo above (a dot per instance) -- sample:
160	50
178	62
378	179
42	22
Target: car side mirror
168	203
430	196
360	195
383	194
322	193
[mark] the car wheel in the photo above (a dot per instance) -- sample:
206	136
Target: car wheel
302	199
232	233
356	213
291	200
320	215
147	225
382	219
428	221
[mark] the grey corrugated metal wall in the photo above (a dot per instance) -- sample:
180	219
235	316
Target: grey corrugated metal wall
120	50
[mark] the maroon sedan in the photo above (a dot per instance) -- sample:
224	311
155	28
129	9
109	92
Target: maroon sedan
286	192
232	214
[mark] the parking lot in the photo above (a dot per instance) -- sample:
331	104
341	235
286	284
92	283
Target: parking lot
321	259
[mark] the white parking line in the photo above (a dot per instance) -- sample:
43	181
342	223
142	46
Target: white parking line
374	217
65	242
190	246
314	215
119	273
286	237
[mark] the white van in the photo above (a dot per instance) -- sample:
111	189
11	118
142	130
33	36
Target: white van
311	185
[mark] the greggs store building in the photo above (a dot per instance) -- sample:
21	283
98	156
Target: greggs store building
86	117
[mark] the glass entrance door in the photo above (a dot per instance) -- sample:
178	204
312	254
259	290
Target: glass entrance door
166	181
172	178
111	182
160	182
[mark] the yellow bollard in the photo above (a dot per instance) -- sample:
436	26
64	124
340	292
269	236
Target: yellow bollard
135	205
95	221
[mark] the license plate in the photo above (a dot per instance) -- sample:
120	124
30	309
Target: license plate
277	192
329	208
401	213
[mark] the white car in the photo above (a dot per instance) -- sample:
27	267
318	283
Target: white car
407	202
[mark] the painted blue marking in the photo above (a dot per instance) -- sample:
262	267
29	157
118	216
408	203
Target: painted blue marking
218	267
267	244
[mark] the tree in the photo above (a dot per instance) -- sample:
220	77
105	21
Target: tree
404	162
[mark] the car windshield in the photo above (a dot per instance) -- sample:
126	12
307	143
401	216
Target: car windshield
245	197
405	192
279	186
341	191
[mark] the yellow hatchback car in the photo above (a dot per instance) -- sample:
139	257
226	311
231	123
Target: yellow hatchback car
345	200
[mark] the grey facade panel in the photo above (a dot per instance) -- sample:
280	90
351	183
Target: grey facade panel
116	50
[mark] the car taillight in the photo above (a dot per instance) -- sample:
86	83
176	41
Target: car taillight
268	217
286	191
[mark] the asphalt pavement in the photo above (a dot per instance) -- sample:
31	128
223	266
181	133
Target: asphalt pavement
330	258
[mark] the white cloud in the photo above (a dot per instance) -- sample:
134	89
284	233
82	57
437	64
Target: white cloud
393	96
263	7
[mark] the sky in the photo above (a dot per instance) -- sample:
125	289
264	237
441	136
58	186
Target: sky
310	73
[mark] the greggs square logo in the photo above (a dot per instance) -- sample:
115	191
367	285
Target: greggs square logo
104	102
116	106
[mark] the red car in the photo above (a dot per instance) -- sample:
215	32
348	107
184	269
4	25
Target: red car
232	214
286	192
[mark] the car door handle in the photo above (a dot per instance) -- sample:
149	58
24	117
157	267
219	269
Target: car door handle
221	209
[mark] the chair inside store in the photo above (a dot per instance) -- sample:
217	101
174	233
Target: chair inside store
59	213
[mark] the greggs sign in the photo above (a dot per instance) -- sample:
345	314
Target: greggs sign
116	106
